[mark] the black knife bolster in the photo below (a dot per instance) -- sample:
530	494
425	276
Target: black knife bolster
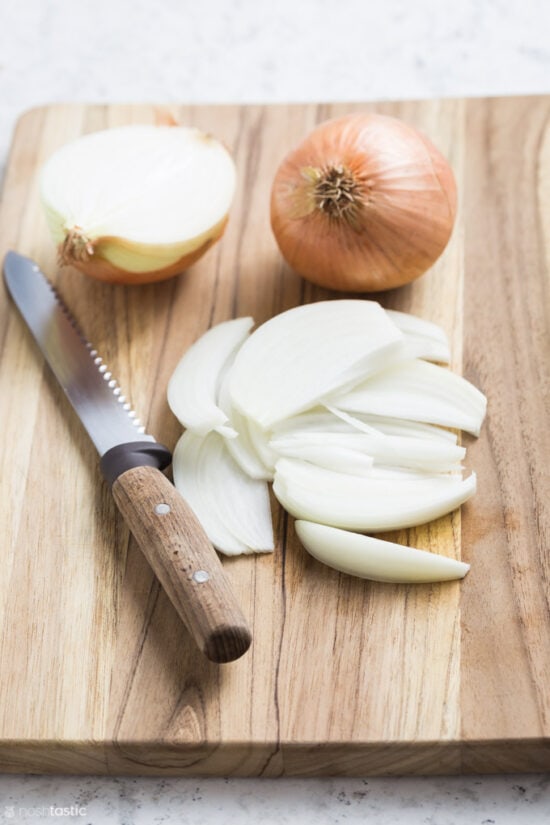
133	454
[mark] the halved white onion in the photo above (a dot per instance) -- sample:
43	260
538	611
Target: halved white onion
372	558
137	203
298	357
194	386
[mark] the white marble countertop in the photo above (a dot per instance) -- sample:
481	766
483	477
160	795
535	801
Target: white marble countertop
255	50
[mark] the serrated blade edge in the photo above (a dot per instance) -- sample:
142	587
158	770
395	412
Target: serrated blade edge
87	382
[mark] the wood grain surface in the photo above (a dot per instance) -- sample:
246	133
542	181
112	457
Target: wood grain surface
344	676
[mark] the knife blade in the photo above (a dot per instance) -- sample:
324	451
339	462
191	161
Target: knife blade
167	531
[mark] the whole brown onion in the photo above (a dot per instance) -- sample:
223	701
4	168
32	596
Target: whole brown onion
364	203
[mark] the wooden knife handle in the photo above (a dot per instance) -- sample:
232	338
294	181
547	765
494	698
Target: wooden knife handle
181	555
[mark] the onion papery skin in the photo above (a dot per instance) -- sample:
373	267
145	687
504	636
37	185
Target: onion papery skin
93	259
404	204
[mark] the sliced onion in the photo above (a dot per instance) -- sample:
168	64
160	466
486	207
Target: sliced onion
296	358
404	427
374	504
342	452
394	442
375	559
396	451
418	391
233	508
242	448
423	339
328	419
327	401
353	421
194	385
317	419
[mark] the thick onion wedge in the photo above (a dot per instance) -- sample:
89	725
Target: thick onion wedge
386	500
194	385
298	357
371	558
233	508
418	391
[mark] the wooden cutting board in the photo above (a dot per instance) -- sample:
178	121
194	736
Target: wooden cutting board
345	676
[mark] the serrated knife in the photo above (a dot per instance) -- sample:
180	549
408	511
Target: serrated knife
167	531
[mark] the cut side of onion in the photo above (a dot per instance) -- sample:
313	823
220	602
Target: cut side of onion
372	558
137	203
194	386
421	392
300	356
233	508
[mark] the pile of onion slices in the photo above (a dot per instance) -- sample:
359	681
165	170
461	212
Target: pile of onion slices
345	408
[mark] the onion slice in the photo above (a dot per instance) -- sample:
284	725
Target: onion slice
233	508
302	355
194	385
423	339
383	501
362	449
404	427
343	452
372	558
243	448
421	392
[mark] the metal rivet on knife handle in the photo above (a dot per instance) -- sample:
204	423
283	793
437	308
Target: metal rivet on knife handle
201	576
162	509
